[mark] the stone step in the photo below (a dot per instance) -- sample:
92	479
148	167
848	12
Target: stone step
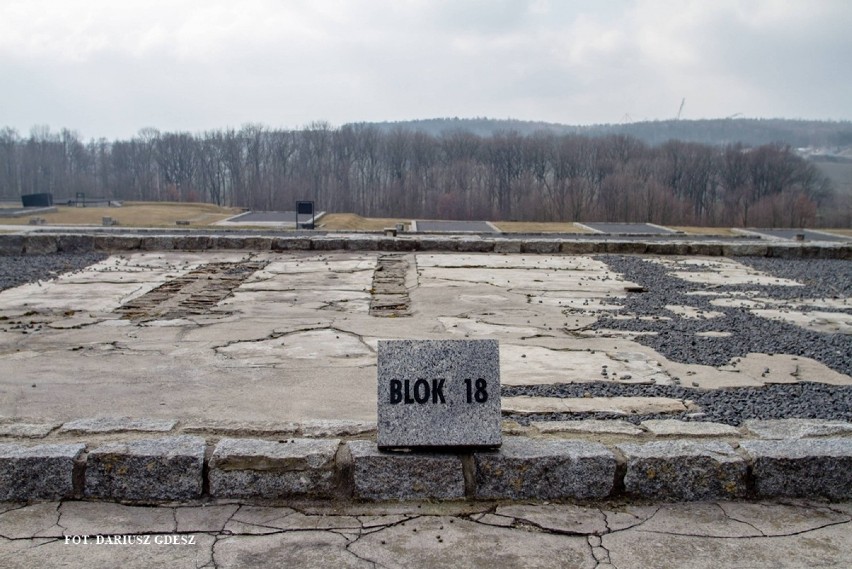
42	243
560	465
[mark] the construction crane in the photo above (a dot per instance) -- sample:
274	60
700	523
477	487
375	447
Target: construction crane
680	110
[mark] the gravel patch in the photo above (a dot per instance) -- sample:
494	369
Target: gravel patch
730	406
676	338
18	270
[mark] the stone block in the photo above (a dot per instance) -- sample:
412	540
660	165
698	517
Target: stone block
75	243
379	475
157	243
435	393
625	247
26	430
744	250
291	244
527	468
169	468
235	428
329	244
360	244
397	244
475	245
100	425
336	428
35	244
706	249
431	243
11	245
589	426
796	428
539	246
580	247
804	468
44	472
664	248
673	427
507	246
784	251
193	242
230	242
252	468
684	470
107	242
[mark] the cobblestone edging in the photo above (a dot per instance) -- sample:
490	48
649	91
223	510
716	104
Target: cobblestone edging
44	243
147	461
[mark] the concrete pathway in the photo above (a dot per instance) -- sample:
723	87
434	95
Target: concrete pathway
713	535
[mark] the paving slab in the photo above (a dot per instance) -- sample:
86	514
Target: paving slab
614	405
796	428
592	426
671	427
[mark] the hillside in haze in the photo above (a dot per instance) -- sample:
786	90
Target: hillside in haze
832	137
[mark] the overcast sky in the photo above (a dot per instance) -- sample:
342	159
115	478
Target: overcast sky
111	67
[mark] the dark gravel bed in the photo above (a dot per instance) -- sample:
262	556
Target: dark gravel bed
18	270
824	278
730	406
676	338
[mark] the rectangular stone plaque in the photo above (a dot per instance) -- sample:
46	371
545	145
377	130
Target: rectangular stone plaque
438	393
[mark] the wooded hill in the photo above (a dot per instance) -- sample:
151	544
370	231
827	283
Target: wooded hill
717	132
396	171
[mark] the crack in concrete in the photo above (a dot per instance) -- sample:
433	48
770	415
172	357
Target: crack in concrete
274	335
744	537
378	529
732	518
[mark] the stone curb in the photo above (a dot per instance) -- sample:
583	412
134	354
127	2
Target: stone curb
544	467
41	243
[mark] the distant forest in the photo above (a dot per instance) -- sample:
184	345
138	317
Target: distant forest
456	171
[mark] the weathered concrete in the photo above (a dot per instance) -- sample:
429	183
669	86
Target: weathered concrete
421	534
671	427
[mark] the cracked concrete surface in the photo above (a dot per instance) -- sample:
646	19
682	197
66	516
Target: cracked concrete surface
295	340
787	534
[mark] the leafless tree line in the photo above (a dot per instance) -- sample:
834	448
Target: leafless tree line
457	175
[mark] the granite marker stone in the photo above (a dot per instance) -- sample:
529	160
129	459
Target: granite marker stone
438	393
